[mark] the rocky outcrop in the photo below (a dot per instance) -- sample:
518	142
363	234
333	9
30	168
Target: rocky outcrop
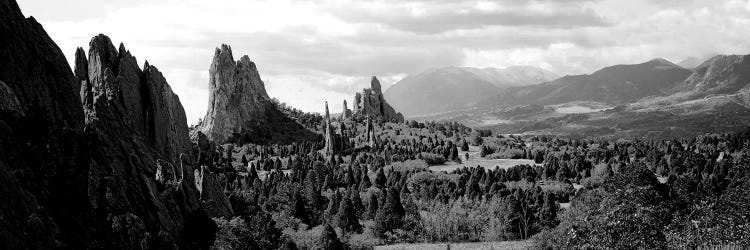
239	109
335	135
370	133
83	177
238	101
142	98
371	103
203	149
212	194
8	100
346	113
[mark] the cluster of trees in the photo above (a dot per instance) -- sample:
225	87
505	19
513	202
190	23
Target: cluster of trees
687	192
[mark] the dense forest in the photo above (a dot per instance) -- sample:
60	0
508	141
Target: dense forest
624	194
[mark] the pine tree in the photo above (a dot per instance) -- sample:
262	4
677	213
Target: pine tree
289	245
312	197
390	215
298	208
380	179
329	240
359	208
372	207
549	211
346	219
244	161
333	207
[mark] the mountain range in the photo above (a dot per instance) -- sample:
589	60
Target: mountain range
613	85
450	88
656	98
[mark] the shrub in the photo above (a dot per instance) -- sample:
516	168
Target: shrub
433	159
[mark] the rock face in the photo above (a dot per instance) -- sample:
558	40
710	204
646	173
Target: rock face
333	137
83	177
138	126
238	102
212	194
370	133
346	113
371	103
142	98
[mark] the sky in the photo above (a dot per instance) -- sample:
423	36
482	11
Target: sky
308	52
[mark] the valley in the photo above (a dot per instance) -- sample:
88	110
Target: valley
97	153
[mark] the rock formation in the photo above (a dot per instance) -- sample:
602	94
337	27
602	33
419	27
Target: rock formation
82	177
238	102
333	139
141	98
239	109
212	194
346	113
371	103
370	133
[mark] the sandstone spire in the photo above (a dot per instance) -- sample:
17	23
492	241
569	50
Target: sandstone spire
346	113
237	97
371	103
328	114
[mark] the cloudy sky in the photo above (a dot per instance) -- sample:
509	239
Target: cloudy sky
311	51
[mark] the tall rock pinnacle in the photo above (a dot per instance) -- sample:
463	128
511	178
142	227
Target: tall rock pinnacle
346	113
371	103
237	101
239	109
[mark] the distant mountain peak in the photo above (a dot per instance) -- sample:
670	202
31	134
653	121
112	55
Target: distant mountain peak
695	61
450	88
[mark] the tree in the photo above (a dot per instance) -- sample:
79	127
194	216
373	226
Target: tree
372	207
329	240
359	208
548	212
390	216
476	139
312	196
380	178
346	219
333	207
244	161
233	234
454	154
264	231
289	245
298	208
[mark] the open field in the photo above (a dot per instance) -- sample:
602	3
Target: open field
500	245
475	160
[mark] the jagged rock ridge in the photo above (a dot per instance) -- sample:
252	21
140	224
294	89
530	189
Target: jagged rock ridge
371	103
82	177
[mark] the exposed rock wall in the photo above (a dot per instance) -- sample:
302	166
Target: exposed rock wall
84	177
346	113
371	103
214	201
238	101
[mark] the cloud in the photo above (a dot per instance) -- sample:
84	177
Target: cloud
436	17
312	51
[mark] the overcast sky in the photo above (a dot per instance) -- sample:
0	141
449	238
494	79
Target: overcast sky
311	51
